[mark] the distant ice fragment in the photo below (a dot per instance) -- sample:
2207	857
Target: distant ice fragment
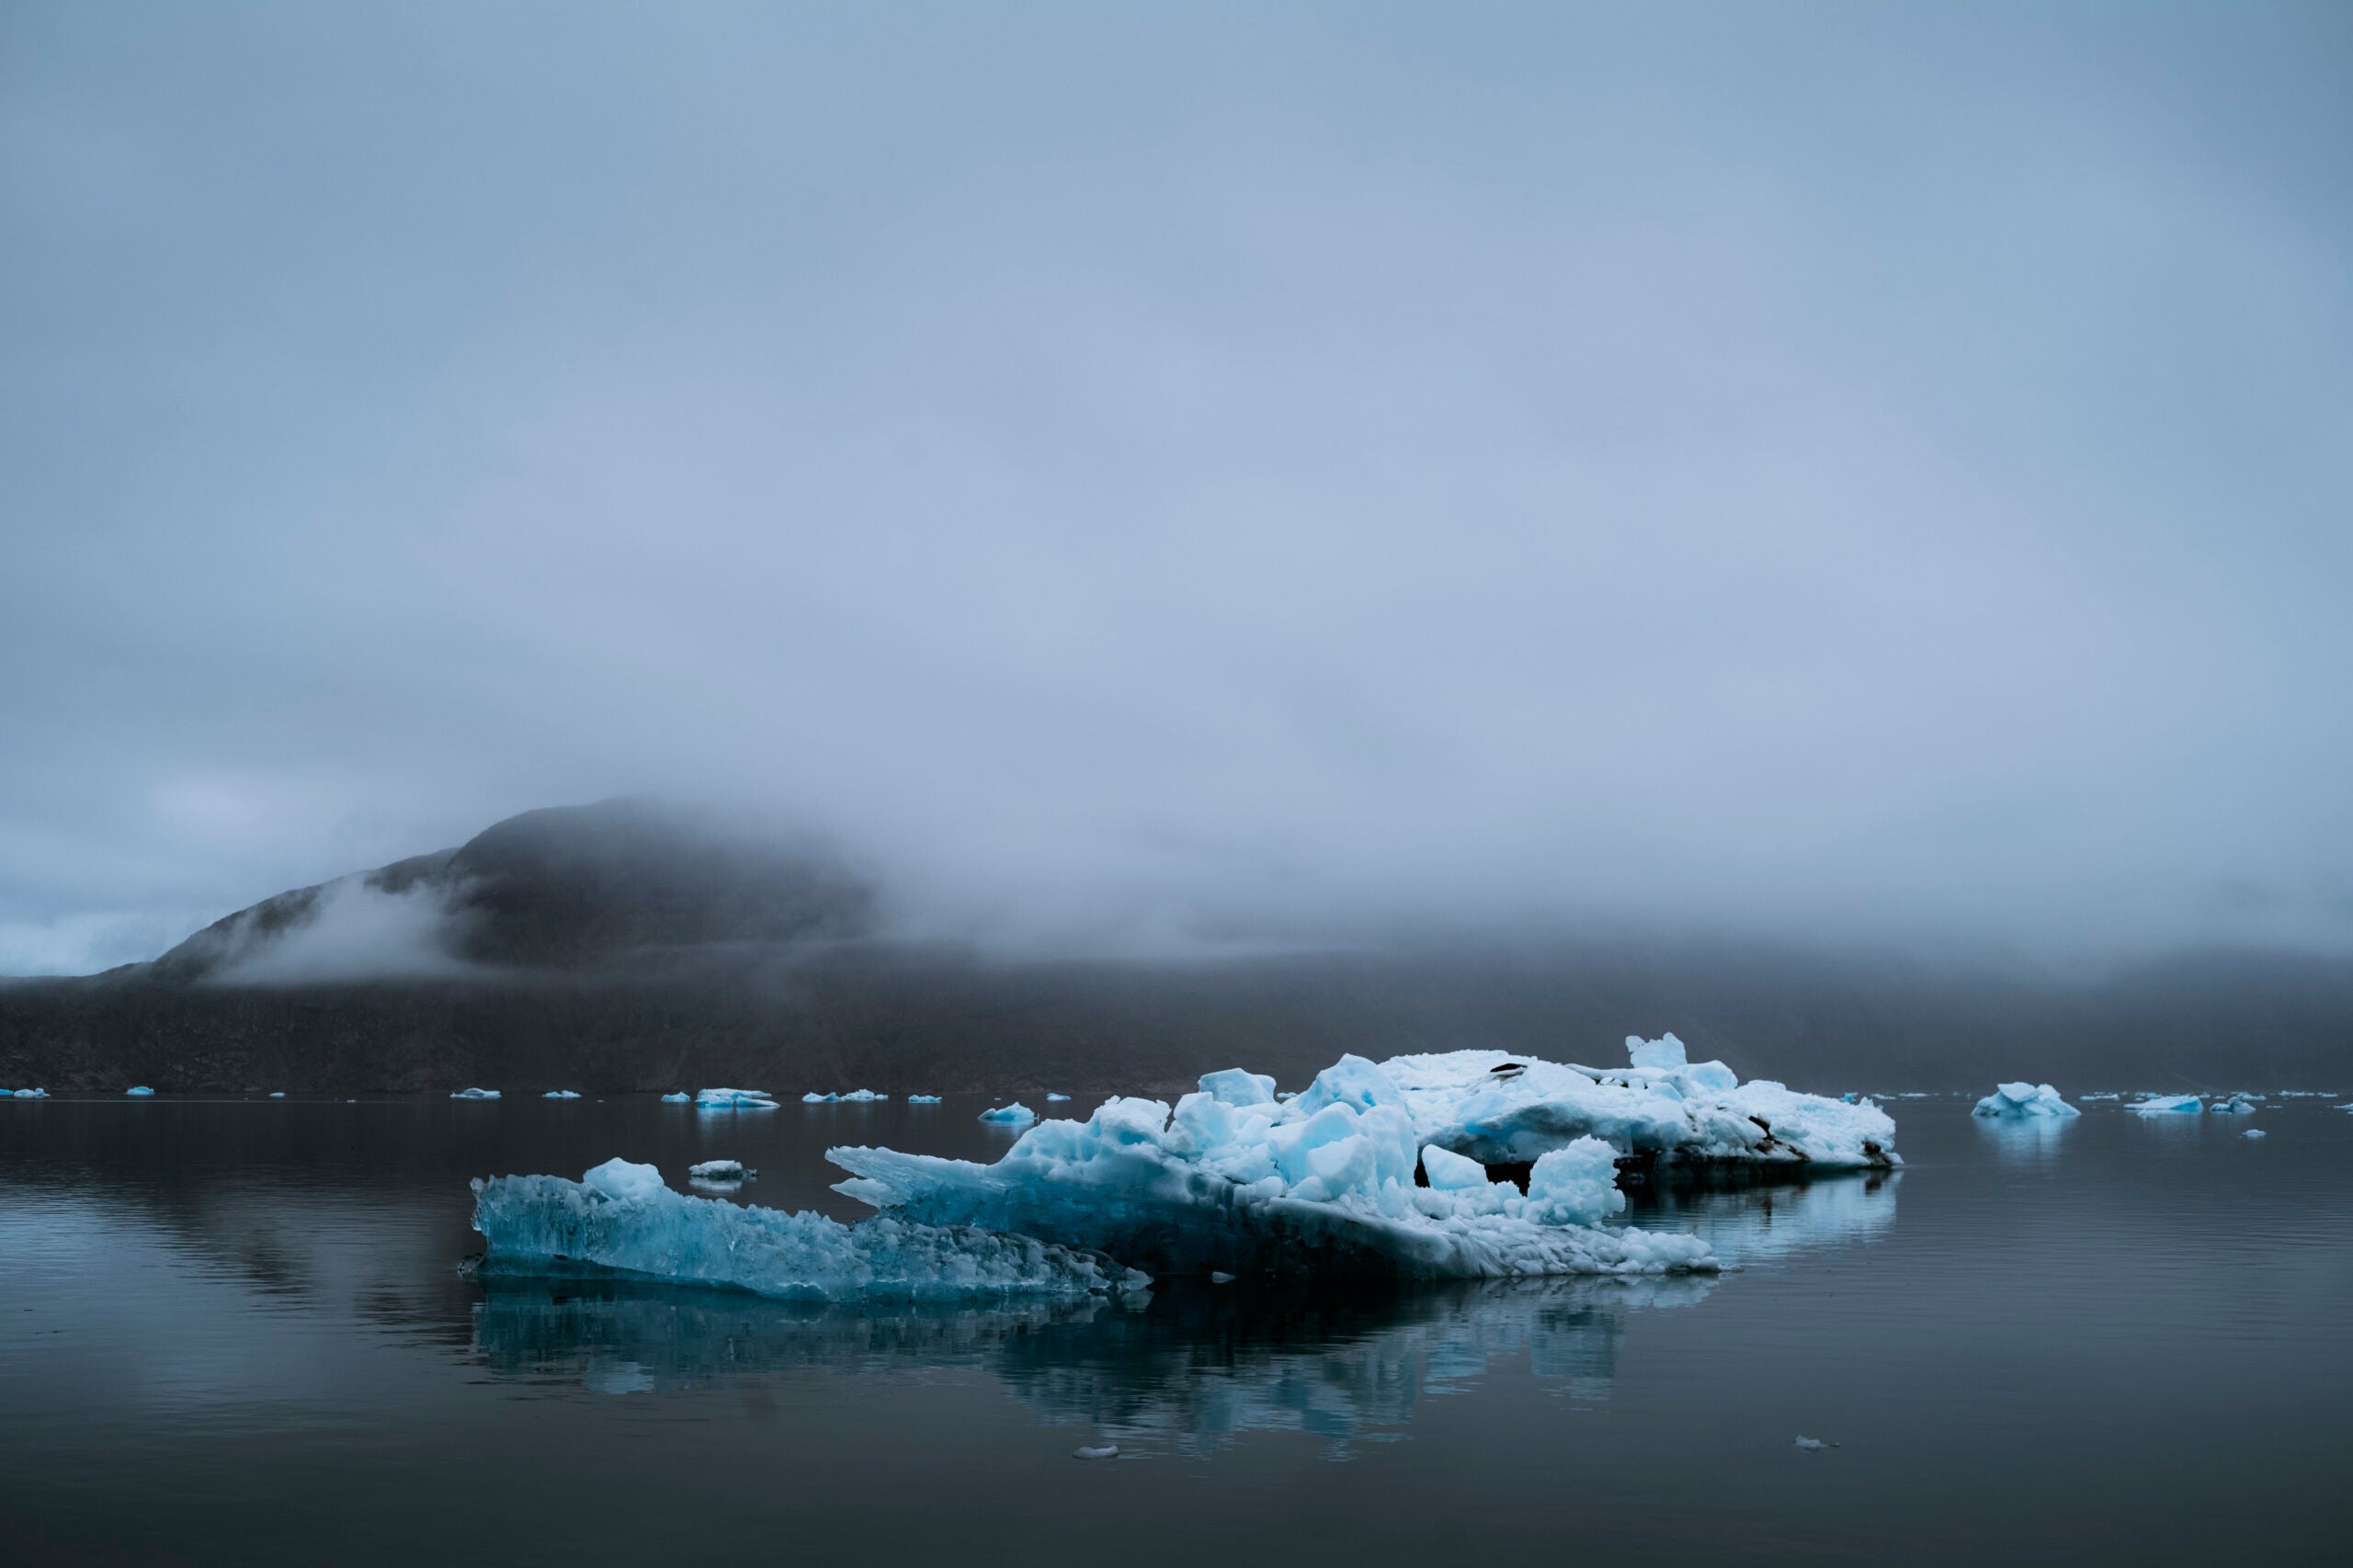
719	1170
2167	1105
679	1097
475	1094
1664	1052
1219	1277
923	1099
1814	1444
31	1095
621	1218
735	1099
1012	1115
812	1098
561	1095
141	1092
1051	1096
277	1093
1107	1452
2020	1100
2237	1104
2252	1132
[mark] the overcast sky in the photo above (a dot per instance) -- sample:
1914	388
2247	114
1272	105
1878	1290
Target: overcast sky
1830	469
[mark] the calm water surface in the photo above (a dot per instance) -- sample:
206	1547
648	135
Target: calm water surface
236	1332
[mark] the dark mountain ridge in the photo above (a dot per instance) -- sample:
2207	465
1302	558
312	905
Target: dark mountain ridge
633	946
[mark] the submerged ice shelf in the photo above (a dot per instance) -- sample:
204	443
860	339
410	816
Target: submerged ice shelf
1384	1167
621	1218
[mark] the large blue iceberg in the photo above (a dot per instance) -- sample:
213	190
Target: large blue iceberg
621	1218
1376	1168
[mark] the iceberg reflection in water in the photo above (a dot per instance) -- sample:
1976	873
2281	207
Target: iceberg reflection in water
1184	1369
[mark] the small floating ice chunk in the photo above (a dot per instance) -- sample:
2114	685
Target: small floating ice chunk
923	1099
1012	1115
32	1093
277	1093
679	1098
475	1094
2237	1104
735	1099
719	1170
2020	1100
2167	1105
561	1095
140	1093
2252	1132
1219	1277
1051	1096
1814	1444
1107	1452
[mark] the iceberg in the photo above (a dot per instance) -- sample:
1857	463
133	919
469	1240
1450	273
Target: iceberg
678	1096
1012	1115
1235	1181
923	1099
2024	1100
2237	1104
1051	1096
719	1170
475	1094
31	1095
621	1218
141	1092
2167	1105
561	1095
815	1099
2252	1132
735	1099
1500	1109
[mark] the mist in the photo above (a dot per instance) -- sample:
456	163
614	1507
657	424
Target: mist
1203	482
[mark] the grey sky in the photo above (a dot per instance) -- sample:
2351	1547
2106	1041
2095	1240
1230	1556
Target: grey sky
1834	469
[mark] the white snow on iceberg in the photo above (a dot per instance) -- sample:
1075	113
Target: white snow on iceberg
719	1170
1012	1115
735	1099
2024	1100
621	1218
1236	1181
2168	1105
1503	1109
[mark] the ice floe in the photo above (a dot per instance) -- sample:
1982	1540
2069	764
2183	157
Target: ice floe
140	1092
2252	1132
923	1099
2024	1100
735	1099
475	1094
719	1170
1012	1115
2167	1105
677	1097
561	1095
812	1098
2237	1104
1235	1180
31	1095
621	1217
1051	1096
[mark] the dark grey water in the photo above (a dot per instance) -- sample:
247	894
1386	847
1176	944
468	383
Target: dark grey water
236	1332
